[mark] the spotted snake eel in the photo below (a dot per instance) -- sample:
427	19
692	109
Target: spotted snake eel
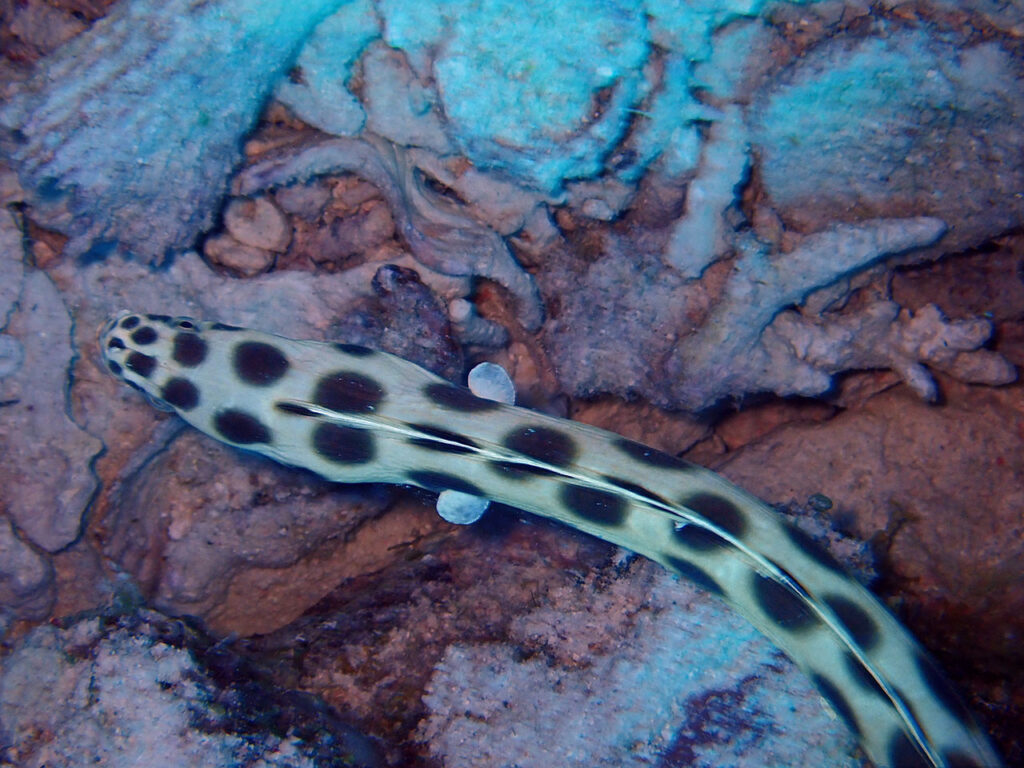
353	414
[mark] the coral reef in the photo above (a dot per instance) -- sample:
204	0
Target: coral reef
315	89
632	206
409	110
570	85
700	236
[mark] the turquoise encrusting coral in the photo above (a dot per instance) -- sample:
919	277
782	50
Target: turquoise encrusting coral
570	92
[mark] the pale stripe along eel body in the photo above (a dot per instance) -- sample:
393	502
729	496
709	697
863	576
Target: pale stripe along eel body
352	414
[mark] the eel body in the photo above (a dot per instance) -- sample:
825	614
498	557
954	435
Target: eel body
352	414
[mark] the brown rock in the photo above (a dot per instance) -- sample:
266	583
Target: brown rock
245	260
258	223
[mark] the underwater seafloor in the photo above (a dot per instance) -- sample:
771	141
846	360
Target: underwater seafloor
783	240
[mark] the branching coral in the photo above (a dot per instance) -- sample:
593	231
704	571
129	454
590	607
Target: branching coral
797	354
885	336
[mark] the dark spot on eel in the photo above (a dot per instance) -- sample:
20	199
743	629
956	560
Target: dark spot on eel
543	444
782	604
240	427
189	350
258	363
343	445
181	393
141	364
144	335
348	392
594	504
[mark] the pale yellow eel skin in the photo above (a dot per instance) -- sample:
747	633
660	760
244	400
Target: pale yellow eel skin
352	414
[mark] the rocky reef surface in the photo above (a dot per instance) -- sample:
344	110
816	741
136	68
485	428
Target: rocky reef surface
781	239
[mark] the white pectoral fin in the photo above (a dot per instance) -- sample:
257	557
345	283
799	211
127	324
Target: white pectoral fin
461	508
492	382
